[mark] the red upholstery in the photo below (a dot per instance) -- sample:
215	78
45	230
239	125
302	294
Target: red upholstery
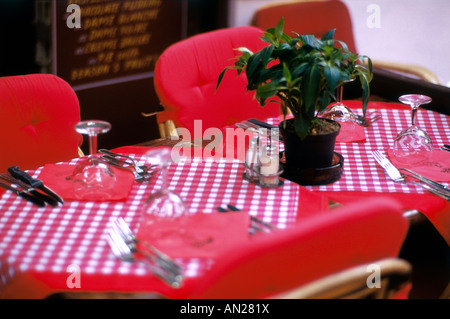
186	75
38	115
309	17
322	245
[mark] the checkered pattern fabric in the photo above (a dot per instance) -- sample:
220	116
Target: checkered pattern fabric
47	240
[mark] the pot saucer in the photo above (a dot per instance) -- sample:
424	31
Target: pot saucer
315	176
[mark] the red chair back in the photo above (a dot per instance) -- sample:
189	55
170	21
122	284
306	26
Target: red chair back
186	75
38	115
330	242
309	17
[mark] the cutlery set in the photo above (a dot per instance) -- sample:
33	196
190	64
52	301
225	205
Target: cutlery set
34	190
141	172
29	188
126	247
397	176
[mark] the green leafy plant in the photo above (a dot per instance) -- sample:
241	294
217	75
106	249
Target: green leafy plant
301	72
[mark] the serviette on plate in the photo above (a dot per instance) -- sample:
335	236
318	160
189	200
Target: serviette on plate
437	168
202	235
54	176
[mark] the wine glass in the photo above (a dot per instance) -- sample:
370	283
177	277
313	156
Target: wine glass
413	145
338	111
163	205
93	178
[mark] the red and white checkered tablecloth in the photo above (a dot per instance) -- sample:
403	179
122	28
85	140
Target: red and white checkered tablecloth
46	241
361	171
42	240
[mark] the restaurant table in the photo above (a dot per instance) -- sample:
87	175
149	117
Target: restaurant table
42	250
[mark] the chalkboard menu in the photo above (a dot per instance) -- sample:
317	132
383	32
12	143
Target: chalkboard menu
107	50
113	38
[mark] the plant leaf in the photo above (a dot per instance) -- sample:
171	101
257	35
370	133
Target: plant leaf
279	29
310	84
329	35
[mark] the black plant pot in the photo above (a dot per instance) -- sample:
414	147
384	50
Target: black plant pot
310	161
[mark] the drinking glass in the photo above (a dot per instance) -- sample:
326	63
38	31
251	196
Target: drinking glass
413	145
163	205
339	111
93	178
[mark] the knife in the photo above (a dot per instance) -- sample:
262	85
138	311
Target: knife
34	183
23	194
446	147
27	188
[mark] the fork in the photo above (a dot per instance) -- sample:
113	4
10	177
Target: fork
396	176
137	177
131	240
140	168
368	119
123	251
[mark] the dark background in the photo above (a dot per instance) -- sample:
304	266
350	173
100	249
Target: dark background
121	104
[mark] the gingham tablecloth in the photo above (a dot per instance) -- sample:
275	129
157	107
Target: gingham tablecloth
361	171
48	240
45	242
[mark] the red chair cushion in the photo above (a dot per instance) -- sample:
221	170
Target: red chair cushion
186	75
38	115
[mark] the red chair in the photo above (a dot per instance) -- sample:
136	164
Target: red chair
38	115
308	17
334	248
185	80
319	16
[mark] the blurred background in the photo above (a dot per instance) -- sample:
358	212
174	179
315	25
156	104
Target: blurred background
35	38
406	31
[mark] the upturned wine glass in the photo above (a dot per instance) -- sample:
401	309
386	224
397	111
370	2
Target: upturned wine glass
164	204
338	111
93	178
413	145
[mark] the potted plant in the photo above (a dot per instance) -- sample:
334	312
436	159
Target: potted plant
303	74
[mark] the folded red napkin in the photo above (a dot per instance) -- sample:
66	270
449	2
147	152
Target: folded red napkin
351	133
437	168
54	176
201	235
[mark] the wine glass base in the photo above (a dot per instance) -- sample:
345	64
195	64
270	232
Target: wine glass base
93	179
413	146
412	157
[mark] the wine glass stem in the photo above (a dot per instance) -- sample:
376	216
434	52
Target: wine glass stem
164	177
413	114
339	94
92	144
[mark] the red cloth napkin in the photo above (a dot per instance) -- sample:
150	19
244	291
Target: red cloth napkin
54	176
203	235
437	168
351	133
